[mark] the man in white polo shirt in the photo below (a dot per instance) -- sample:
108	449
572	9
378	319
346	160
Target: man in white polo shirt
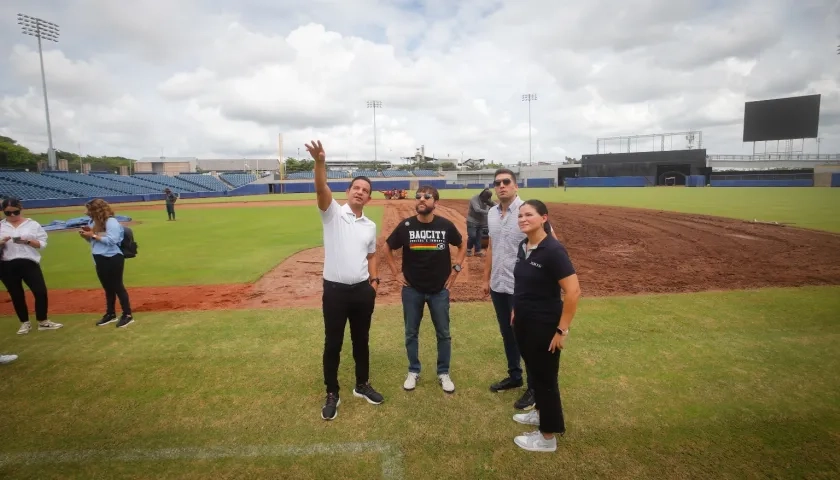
350	281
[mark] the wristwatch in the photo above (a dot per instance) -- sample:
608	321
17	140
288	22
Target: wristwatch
457	268
562	332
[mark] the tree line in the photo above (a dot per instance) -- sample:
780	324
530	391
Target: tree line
18	157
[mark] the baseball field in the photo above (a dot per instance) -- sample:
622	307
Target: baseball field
703	347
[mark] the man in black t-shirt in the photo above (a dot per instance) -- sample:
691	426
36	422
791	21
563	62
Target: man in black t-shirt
427	274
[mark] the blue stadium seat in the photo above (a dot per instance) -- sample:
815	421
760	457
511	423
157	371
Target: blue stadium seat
238	179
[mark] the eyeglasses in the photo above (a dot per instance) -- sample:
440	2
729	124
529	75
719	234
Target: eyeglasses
506	181
425	195
11	213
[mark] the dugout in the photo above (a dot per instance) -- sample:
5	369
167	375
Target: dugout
674	165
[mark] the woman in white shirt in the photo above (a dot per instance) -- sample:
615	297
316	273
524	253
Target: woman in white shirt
21	240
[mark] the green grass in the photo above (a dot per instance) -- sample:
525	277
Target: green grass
205	246
723	385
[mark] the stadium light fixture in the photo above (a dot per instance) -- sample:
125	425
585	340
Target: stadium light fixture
529	97
374	104
42	30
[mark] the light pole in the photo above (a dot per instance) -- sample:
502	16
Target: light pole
529	97
41	29
374	104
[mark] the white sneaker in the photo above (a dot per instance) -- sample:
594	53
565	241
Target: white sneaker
25	327
7	359
411	381
446	383
535	442
530	418
48	325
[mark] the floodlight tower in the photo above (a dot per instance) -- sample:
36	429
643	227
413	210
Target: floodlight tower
374	104
529	97
42	29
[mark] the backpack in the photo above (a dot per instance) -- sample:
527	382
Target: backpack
128	246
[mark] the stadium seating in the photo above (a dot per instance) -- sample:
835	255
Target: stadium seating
135	181
395	173
23	191
59	184
238	179
208	182
176	184
95	181
426	173
366	173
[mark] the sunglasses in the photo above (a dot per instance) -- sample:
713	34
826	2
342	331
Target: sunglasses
425	195
11	213
506	181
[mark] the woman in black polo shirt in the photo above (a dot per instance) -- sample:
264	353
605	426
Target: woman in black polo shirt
541	320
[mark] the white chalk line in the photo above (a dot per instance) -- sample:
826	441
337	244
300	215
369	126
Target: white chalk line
391	455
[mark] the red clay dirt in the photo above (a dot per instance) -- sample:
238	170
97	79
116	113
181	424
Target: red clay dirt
616	251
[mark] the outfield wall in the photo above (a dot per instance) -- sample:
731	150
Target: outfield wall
764	183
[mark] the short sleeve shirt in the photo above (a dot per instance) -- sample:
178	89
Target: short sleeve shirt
348	240
505	237
426	257
536	275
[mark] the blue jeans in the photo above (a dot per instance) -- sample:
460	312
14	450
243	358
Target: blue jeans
474	237
413	303
503	303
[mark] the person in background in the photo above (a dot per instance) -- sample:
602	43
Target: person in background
480	204
541	321
21	240
170	199
104	233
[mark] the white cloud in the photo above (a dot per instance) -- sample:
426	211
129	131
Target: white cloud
206	78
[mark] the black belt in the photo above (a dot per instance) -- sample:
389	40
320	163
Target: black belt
346	286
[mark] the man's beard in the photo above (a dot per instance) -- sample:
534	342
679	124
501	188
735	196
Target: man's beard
429	209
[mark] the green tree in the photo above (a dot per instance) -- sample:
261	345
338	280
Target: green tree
294	165
15	156
448	167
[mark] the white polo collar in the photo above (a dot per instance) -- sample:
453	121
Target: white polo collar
347	214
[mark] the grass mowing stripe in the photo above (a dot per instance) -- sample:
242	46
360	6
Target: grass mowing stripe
391	455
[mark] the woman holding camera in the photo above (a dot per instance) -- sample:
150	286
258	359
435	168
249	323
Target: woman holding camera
21	240
104	233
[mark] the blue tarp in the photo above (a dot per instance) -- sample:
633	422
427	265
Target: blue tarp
77	222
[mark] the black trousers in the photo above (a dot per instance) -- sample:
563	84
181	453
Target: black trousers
534	337
110	273
343	303
170	211
14	274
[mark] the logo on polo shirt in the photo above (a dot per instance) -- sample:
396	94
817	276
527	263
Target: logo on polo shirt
536	264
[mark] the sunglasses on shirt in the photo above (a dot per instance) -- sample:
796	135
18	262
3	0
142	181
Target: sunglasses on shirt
427	196
11	213
506	181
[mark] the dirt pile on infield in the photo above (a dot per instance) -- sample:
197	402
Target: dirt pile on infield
617	251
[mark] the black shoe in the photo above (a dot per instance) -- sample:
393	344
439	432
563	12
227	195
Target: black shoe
330	408
526	401
125	320
506	384
106	319
368	393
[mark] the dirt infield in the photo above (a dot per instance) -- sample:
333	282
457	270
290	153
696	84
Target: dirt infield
616	251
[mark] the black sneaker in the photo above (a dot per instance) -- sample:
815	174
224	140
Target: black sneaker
368	393
124	320
506	384
330	409
526	401
106	319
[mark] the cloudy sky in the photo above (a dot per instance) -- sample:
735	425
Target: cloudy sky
221	79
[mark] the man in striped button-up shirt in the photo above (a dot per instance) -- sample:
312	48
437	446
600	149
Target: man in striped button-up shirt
505	237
